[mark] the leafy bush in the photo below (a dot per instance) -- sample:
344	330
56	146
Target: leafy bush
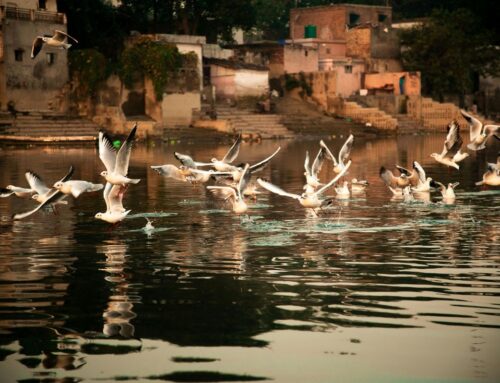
90	67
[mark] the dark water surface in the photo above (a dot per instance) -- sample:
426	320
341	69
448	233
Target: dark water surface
374	290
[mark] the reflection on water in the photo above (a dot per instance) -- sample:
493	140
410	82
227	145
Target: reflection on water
372	289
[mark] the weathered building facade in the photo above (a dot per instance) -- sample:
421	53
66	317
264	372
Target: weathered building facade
31	84
331	22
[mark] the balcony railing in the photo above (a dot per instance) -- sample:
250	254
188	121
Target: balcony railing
32	15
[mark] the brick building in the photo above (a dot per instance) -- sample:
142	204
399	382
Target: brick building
331	22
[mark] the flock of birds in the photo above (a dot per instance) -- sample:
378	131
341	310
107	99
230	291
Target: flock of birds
233	183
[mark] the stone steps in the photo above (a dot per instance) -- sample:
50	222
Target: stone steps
254	124
46	126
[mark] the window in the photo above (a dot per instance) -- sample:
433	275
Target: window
51	58
348	68
353	18
327	51
18	54
306	53
42	4
381	18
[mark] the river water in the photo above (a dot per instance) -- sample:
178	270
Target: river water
372	290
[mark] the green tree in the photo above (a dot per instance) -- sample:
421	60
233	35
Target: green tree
450	48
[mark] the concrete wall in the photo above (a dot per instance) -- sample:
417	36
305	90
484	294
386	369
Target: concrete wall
347	83
392	83
298	58
251	83
177	108
31	84
231	83
223	80
330	21
50	5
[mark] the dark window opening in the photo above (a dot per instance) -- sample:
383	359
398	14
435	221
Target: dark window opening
348	68
18	54
382	18
42	4
51	58
327	51
353	18
306	53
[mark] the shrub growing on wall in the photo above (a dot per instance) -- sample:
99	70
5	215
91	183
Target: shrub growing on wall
89	67
157	60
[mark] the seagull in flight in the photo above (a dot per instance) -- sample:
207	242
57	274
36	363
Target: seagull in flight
116	163
17	191
344	153
44	196
58	40
451	153
77	187
479	133
113	196
492	175
235	194
224	165
312	171
307	200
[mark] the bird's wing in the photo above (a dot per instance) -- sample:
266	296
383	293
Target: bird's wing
262	164
115	198
492	130
53	197
330	154
68	175
244	180
123	155
387	176
107	152
5	192
105	194
318	162
453	141
346	149
169	170
185	160
474	124
233	151
275	189
306	164
223	191
420	171
60	36
403	170
36	47
36	183
337	177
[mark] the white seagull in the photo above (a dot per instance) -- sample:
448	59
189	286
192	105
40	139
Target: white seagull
113	196
492	175
393	182
479	133
224	165
17	191
312	200
44	196
448	193
77	187
58	40
234	194
116	163
358	186
344	154
424	183
343	191
311	171
451	153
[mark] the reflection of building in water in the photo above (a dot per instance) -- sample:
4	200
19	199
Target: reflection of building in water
119	311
